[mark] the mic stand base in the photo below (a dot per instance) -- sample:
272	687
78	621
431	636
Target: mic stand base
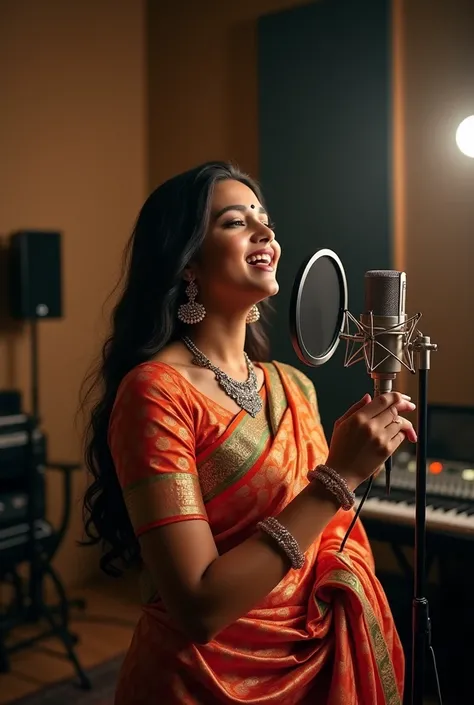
421	623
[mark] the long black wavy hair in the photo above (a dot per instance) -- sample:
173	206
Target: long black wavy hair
168	234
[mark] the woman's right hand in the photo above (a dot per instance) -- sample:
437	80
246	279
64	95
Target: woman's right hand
368	434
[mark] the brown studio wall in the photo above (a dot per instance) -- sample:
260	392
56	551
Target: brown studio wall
202	82
72	140
439	187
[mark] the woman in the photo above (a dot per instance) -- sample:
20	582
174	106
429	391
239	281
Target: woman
200	453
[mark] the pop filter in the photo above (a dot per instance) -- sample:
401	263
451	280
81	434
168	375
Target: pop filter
318	307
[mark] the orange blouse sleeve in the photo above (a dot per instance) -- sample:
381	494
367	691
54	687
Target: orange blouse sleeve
152	442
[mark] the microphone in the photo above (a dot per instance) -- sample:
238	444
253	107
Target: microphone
384	325
384	334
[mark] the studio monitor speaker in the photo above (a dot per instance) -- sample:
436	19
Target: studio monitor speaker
35	274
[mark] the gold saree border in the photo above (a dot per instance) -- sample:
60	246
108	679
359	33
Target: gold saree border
386	673
277	401
304	384
244	449
157	500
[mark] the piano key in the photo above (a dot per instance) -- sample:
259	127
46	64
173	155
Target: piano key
449	519
463	507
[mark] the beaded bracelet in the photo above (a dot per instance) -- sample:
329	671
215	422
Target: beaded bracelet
284	539
335	484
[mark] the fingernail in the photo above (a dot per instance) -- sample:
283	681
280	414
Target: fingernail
412	405
405	396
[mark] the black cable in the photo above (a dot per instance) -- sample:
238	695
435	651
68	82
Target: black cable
356	515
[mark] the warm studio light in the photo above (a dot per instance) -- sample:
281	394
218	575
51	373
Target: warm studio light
465	136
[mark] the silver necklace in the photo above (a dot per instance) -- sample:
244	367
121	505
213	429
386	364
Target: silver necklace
245	394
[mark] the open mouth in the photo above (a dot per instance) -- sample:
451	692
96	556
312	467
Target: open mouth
261	261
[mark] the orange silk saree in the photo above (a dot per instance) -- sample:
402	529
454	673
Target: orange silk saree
325	634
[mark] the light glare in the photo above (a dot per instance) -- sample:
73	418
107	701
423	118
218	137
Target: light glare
465	136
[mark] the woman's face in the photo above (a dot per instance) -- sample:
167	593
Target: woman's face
239	256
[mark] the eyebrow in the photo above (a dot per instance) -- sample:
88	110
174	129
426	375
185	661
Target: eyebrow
240	208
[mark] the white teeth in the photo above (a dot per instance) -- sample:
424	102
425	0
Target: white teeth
264	259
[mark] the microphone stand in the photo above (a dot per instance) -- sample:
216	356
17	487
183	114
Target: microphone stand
421	622
367	338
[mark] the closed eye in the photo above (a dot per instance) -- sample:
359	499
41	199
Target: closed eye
238	223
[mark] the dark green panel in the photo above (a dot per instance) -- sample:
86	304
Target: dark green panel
325	156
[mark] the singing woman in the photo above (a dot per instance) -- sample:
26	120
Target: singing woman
211	473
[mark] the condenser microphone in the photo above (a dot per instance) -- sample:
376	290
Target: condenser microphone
384	325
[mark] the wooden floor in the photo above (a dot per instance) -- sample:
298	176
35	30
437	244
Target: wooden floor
104	631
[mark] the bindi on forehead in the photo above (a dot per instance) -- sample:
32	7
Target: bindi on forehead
238	207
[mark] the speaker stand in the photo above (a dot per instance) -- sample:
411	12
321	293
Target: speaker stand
37	607
34	361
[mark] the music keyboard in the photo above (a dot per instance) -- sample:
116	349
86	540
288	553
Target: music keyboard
441	515
449	501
